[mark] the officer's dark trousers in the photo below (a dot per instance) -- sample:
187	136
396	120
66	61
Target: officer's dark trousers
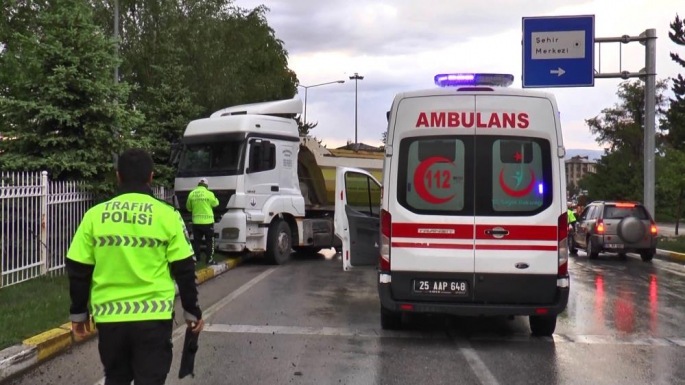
136	351
206	232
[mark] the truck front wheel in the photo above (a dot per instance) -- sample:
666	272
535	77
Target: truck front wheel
279	242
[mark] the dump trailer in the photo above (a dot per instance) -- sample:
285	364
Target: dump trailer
273	195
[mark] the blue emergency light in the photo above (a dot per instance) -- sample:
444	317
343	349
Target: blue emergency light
461	80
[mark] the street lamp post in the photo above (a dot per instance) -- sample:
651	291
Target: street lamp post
356	78
305	95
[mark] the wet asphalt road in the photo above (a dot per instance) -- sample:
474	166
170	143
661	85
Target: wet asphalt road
308	322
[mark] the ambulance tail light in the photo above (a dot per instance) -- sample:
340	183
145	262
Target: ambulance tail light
386	236
562	247
473	80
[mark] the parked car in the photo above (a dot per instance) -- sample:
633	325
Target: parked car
619	227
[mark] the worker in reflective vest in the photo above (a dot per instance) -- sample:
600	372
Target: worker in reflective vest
125	256
200	203
571	216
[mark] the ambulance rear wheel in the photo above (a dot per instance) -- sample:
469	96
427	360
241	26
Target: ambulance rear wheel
279	242
543	325
390	320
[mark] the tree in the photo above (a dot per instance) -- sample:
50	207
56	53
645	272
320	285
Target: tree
59	103
676	112
621	127
672	180
153	63
384	138
620	171
618	176
191	58
304	128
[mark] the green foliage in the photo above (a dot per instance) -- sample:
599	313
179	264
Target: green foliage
618	176
191	58
305	128
670	183
620	127
60	107
676	113
179	61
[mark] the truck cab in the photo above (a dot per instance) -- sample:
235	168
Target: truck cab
253	161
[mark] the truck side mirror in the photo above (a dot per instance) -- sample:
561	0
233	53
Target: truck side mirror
175	155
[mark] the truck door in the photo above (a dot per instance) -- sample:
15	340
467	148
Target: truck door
262	174
357	216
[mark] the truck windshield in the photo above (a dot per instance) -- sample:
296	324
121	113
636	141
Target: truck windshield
211	159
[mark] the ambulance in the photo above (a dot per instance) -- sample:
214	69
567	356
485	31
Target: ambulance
473	204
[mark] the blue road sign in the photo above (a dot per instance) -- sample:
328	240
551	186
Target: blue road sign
559	51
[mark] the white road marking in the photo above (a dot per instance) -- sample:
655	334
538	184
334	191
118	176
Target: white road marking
588	339
318	331
477	365
180	331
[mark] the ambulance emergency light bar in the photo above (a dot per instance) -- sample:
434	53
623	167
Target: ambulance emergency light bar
456	80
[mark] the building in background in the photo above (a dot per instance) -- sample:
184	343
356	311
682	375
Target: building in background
577	167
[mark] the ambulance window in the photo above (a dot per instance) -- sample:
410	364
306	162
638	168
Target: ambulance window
521	175
432	175
361	193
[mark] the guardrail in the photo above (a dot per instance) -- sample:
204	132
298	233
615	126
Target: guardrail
38	219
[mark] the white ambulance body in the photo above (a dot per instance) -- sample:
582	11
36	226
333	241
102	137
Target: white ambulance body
473	210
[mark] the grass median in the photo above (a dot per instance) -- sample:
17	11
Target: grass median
676	244
42	303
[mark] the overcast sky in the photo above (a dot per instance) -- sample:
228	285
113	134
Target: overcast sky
399	45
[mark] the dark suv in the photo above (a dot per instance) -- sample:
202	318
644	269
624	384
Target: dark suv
619	227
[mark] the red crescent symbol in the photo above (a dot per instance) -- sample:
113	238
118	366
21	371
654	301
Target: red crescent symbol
517	193
420	184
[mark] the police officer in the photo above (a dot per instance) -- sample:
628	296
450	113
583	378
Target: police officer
572	221
200	203
124	257
571	216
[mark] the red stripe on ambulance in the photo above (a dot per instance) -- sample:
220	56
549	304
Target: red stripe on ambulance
454	246
465	231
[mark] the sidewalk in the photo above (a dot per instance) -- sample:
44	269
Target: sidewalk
32	351
670	255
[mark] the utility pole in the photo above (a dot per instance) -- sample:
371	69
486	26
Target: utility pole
648	74
650	119
356	78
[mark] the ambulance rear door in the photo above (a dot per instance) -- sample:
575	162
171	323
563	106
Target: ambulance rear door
431	199
517	200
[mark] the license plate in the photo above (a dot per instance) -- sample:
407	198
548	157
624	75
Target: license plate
614	246
440	286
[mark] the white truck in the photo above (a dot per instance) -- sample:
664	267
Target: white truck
272	194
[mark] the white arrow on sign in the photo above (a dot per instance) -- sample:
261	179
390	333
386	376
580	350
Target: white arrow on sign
558	72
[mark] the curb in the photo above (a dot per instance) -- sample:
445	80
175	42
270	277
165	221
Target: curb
671	255
32	351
